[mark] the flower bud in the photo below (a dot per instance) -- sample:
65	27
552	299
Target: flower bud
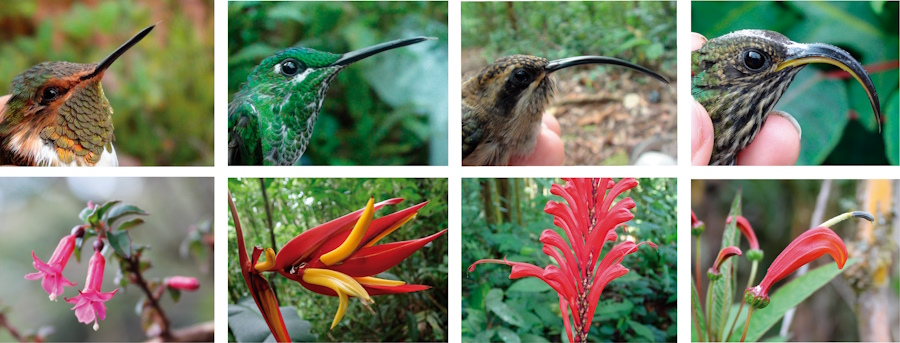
184	283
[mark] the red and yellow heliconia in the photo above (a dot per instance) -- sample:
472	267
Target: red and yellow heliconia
338	258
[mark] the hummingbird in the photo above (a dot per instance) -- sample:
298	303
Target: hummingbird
271	119
739	77
58	115
503	104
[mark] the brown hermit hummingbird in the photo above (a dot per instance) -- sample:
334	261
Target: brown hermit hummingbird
739	77
502	106
58	115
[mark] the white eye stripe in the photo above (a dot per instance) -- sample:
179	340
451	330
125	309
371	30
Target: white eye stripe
277	69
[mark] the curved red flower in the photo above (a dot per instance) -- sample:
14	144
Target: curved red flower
744	226
697	226
588	218
807	247
724	254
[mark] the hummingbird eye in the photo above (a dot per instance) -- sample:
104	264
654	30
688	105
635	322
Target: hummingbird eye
754	60
50	94
520	77
291	67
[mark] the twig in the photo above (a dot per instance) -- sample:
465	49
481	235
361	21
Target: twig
12	331
134	268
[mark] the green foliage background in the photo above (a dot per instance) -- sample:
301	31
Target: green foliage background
639	306
388	109
301	204
642	32
161	90
869	31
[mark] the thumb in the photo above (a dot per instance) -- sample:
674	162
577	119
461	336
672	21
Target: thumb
701	136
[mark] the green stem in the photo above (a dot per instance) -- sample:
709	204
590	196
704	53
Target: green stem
697	273
708	306
753	267
747	323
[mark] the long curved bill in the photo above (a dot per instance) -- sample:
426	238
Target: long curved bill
357	55
108	61
802	54
574	61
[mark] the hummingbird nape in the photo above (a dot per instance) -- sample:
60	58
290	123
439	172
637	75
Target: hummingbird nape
502	106
58	115
739	77
271	119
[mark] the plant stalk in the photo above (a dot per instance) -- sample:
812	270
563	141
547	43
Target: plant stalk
708	306
134	267
747	323
753	267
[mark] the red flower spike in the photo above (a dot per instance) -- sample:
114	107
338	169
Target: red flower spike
588	217
724	254
807	247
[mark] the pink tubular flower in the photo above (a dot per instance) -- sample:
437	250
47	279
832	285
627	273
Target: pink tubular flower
50	273
588	218
724	254
89	305
697	225
183	283
809	246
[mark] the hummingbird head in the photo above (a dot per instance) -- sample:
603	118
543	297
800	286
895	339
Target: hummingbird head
745	72
59	108
288	89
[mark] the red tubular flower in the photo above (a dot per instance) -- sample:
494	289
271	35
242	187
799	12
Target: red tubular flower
184	283
724	254
50	273
697	226
89	305
744	226
809	246
588	218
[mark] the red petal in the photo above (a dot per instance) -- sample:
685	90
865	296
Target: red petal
375	228
551	240
809	246
372	290
724	254
562	217
565	315
303	245
622	186
746	229
597	288
376	259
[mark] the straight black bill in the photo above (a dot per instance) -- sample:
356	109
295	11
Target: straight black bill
357	55
802	54
108	61
574	61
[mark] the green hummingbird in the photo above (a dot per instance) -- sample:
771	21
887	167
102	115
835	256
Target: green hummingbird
739	77
271	119
58	115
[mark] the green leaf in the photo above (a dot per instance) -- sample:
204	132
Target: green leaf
99	211
529	285
121	211
175	293
85	213
533	338
785	298
130	224
820	106
641	330
494	303
610	309
507	335
698	320
723	290
485	336
892	129
248	325
121	242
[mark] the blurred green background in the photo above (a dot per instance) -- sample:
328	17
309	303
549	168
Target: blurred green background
597	128
779	211
301	204
38	212
161	90
389	109
837	120
639	306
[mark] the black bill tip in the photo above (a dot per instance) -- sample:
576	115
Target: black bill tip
574	61
357	55
108	61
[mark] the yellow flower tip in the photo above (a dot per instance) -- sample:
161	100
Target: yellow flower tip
393	228
374	281
269	262
352	242
342	308
336	281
